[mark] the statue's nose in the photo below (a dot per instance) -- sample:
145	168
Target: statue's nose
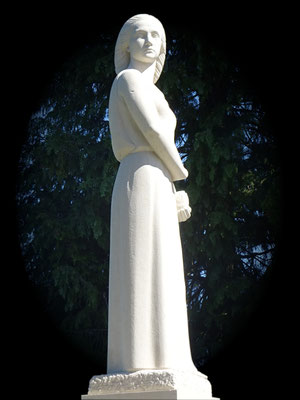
149	38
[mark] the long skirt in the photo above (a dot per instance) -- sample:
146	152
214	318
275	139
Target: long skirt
147	325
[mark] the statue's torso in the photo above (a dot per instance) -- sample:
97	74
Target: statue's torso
126	135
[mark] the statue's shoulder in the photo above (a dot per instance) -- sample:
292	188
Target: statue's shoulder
129	79
129	74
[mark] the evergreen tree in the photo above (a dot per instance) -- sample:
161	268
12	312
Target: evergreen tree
67	170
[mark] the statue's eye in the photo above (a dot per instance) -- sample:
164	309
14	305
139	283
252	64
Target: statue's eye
140	34
155	34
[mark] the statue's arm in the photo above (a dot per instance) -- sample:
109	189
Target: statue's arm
143	110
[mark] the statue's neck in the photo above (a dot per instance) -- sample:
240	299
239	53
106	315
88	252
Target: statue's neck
147	69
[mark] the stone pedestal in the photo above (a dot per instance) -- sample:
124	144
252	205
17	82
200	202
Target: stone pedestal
150	384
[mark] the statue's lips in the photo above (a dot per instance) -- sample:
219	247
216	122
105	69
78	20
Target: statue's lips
149	50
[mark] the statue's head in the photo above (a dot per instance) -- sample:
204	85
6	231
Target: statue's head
122	52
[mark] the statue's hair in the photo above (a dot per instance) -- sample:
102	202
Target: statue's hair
122	56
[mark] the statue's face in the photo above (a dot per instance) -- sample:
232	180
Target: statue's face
145	41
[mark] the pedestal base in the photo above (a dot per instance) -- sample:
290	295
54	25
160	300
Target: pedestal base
150	384
169	395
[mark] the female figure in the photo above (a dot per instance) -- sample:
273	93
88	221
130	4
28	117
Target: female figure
148	327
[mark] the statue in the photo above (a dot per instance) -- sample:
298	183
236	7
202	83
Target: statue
147	324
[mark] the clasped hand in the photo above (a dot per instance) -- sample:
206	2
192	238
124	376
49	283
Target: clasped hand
183	208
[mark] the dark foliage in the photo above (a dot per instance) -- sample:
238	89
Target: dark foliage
67	169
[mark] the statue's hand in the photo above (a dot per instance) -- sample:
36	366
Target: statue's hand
183	208
184	214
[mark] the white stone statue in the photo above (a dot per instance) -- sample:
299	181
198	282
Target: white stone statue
148	326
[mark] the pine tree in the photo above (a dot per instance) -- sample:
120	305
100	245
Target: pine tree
67	170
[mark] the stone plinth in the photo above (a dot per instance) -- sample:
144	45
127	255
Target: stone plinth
150	384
